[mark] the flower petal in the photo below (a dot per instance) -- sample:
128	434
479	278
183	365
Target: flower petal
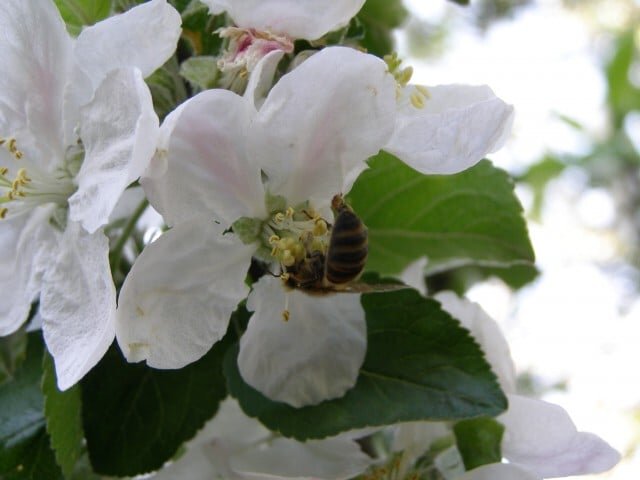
456	128
205	167
499	471
178	297
119	129
541	437
308	19
143	37
78	304
261	78
36	53
487	333
27	247
322	121
333	458
314	356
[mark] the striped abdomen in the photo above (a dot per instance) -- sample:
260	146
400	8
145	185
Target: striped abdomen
348	248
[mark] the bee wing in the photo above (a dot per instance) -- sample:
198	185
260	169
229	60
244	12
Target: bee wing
370	288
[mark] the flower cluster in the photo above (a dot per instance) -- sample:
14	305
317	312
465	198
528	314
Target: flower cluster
250	181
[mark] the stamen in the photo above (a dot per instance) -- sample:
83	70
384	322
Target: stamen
285	315
417	100
320	228
3	212
290	212
423	90
273	239
278	217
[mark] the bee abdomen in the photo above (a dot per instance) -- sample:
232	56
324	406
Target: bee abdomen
348	248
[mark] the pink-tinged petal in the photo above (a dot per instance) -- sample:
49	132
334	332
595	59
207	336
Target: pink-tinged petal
261	78
78	304
541	437
499	471
313	356
36	52
119	129
202	165
143	37
178	297
309	19
282	458
321	122
487	333
456	128
27	248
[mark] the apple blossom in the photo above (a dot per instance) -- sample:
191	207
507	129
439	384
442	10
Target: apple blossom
214	151
540	439
234	446
78	125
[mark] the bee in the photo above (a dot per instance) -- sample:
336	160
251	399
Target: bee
345	259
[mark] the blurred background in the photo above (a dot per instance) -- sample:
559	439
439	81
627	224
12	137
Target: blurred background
572	70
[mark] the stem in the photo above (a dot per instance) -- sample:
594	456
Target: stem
116	253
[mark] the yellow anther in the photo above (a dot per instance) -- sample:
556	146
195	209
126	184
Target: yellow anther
273	239
278	217
3	171
2	140
12	145
290	212
274	251
288	259
286	315
417	100
22	176
18	154
298	251
320	228
423	90
3	212
404	76
285	276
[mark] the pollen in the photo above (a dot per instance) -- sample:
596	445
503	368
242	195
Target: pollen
320	227
3	212
417	100
286	315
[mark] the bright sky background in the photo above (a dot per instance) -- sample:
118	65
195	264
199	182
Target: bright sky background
577	323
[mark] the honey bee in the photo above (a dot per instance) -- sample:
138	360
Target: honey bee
344	261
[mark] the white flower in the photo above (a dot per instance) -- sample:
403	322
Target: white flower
236	447
439	129
79	126
540	439
310	139
265	26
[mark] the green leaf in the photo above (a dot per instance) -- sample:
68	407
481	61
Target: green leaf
202	72
24	444
389	13
471	218
624	96
460	2
13	349
460	280
136	418
538	176
77	13
479	441
420	365
64	421
167	88
199	27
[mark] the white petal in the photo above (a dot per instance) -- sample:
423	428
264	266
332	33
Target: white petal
27	248
143	37
178	297
78	303
542	438
314	356
119	129
322	121
334	458
205	167
414	439
261	78
309	19
486	332
499	471
456	128
413	275
36	54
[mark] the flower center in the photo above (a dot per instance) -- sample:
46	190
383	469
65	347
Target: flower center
402	76
245	49
24	187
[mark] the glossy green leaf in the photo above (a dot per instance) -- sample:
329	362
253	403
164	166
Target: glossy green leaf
420	365
78	13
135	417
63	417
471	218
24	443
12	353
167	88
479	441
